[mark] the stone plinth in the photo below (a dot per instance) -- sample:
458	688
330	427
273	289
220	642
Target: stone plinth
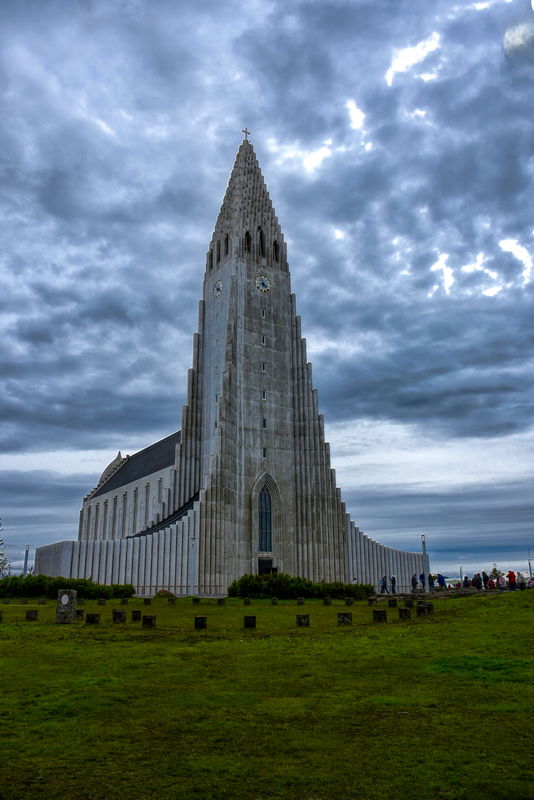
344	618
249	621
379	615
201	623
67	600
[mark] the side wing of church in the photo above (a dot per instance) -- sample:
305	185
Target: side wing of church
246	486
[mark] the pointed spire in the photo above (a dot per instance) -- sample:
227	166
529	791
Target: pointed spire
247	225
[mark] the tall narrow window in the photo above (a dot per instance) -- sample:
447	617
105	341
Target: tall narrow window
261	241
248	242
218	250
276	251
135	502
226	244
265	537
263	394
263	313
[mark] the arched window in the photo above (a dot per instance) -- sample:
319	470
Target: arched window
265	537
226	245
276	251
248	242
210	259
218	250
261	239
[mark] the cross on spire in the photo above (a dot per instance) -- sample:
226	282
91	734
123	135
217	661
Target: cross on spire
246	132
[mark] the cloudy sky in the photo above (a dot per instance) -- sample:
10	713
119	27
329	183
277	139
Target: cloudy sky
397	142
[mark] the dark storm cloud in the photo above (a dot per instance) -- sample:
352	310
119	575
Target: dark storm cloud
120	124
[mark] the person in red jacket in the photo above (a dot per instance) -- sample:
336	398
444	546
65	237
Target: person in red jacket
511	579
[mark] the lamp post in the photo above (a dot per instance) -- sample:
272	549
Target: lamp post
461	574
423	543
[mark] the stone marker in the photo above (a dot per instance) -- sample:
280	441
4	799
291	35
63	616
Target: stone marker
201	623
79	613
67	600
380	615
349	601
171	601
405	613
92	619
344	618
371	601
118	615
430	608
327	601
196	601
421	611
5	601
274	601
124	601
249	622
101	601
392	602
303	620
136	615
220	601
149	621
147	601
300	601
1	616
408	602
247	601
42	601
23	601
32	615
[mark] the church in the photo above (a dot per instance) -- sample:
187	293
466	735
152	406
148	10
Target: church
246	485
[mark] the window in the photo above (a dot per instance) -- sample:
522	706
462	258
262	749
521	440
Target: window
276	251
261	240
210	259
265	524
218	250
263	394
264	451
263	367
264	423
263	339
248	242
263	313
226	245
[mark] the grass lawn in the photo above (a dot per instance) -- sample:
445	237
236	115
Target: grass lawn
436	707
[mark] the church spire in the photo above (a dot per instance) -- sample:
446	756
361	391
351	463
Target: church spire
247	226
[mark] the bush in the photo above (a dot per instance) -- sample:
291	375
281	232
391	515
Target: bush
44	586
289	587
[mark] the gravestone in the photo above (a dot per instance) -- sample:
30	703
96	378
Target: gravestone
92	619
300	601
32	615
303	620
371	601
67	600
147	601
201	623
79	613
1	616
421	610
171	601
430	608
23	601
118	615
124	601
247	601
101	601
136	615
392	602
380	615
327	601
220	601
349	601
249	622
5	601
149	621
196	601
42	601
405	613
344	618
274	601
408	603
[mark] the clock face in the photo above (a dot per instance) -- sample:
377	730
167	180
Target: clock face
217	289
263	283
64	599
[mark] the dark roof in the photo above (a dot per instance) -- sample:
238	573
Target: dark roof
153	458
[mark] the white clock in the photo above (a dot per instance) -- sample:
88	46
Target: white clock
64	599
263	283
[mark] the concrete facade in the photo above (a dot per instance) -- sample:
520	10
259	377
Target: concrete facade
247	484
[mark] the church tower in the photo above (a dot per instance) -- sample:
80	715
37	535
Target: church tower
246	485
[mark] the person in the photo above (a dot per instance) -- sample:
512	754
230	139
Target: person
491	584
521	582
477	581
466	582
414	582
441	581
384	585
393	582
485	579
422	578
511	580
502	582
430	581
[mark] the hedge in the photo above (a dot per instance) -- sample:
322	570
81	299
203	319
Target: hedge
287	587
44	586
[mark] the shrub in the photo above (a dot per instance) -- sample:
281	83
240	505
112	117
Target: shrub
290	587
45	586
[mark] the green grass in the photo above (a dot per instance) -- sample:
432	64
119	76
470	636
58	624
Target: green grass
432	708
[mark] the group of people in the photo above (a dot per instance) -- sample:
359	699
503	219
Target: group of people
480	580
